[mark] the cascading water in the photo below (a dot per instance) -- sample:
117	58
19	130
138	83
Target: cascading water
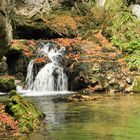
51	77
30	75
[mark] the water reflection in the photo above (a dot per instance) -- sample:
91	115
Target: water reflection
111	118
55	112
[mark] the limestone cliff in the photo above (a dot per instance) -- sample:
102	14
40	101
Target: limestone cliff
5	26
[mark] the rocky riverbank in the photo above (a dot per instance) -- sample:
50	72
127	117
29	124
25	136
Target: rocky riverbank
91	66
18	115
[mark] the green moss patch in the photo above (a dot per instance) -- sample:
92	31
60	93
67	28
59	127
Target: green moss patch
7	83
136	84
24	112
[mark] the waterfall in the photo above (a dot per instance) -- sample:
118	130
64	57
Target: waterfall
51	77
30	75
101	3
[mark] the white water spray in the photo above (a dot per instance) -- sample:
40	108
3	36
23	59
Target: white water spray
30	75
51	77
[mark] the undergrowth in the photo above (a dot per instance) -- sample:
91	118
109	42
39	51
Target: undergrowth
115	21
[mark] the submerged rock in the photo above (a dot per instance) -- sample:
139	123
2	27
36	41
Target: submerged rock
24	112
78	98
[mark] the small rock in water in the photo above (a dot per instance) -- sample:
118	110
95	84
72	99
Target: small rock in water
77	98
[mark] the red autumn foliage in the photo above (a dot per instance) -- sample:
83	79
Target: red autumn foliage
41	60
7	124
67	42
28	47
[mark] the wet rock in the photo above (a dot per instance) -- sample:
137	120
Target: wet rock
122	85
97	69
136	84
129	80
3	66
7	83
19	76
111	91
99	88
77	98
19	55
27	115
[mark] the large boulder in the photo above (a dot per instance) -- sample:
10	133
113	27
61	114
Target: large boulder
7	83
19	55
5	27
35	19
24	112
31	8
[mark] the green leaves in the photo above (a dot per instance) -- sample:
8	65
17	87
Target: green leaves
133	59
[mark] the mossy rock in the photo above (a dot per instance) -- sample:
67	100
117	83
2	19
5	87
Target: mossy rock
24	112
3	67
7	83
136	84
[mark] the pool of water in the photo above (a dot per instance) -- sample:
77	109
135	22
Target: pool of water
110	118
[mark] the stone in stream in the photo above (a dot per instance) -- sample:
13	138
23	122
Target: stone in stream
77	98
24	112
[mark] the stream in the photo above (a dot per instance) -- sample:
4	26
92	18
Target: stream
109	118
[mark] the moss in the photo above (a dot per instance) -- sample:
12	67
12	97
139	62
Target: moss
136	84
27	115
64	25
7	83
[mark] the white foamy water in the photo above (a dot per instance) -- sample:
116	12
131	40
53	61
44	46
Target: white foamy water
30	75
51	79
29	93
